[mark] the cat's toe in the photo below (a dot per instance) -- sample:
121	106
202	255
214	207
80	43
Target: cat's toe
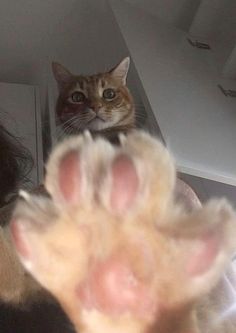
140	178
75	169
136	177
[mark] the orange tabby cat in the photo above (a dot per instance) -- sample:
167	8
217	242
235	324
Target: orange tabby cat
16	286
97	102
101	103
116	250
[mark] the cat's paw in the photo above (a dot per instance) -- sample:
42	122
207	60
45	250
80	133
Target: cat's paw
16	285
108	244
95	187
136	177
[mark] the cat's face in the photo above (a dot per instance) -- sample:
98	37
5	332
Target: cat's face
95	102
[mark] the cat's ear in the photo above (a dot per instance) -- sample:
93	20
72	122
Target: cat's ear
204	243
61	74
121	70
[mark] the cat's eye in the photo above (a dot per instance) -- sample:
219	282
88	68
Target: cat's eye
109	94
78	97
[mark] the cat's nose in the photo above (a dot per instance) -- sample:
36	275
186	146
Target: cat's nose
95	107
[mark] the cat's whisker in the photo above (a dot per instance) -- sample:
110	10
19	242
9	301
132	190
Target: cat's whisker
140	112
70	120
140	124
140	107
138	104
66	130
60	135
78	126
142	119
140	115
73	123
63	131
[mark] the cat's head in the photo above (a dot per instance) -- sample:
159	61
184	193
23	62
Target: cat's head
94	102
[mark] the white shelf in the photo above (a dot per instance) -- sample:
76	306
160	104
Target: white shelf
197	121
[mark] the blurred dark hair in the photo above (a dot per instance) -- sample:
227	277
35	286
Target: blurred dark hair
15	164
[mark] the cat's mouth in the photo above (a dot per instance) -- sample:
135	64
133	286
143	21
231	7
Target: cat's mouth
97	123
95	118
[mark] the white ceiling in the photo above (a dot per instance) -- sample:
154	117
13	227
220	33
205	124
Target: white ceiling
22	19
32	32
81	34
72	31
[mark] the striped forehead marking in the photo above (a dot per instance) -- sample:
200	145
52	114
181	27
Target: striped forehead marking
79	85
91	85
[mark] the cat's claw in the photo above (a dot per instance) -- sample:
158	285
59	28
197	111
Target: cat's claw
25	195
118	256
122	138
88	135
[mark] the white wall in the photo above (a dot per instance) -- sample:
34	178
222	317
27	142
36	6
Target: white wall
80	34
26	27
209	20
229	69
215	22
176	12
181	85
213	17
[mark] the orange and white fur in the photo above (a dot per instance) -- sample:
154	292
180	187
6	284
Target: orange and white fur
116	250
101	103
